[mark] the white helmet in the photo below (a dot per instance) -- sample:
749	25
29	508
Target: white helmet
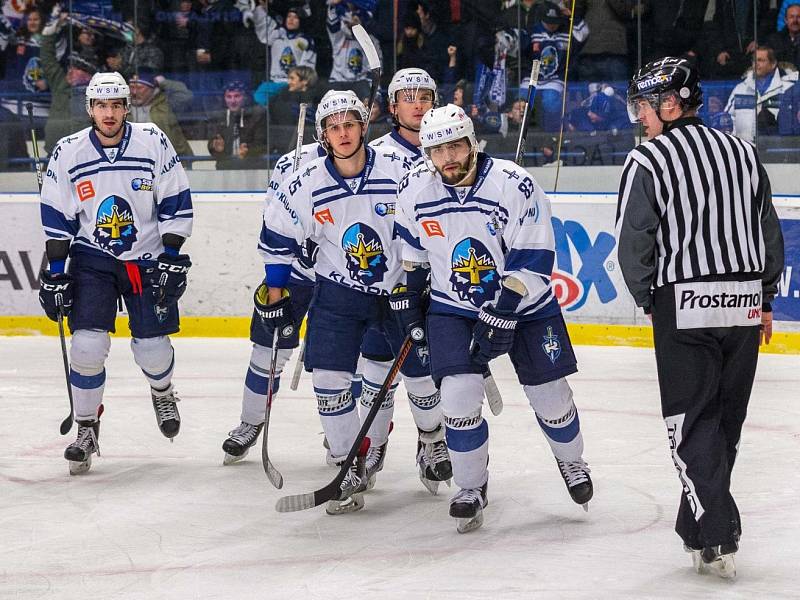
446	124
107	86
336	101
411	79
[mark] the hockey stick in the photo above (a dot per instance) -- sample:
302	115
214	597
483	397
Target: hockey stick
523	130
66	424
273	474
564	96
362	37
331	491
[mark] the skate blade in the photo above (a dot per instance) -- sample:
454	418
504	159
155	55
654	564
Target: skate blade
348	505
723	567
231	459
471	524
370	483
585	506
77	467
431	485
697	562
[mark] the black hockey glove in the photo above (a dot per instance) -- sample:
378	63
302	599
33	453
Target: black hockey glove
55	291
276	316
409	313
493	334
169	278
310	250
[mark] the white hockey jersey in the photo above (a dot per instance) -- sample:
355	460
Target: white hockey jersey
288	49
352	221
475	237
302	275
116	201
349	63
412	155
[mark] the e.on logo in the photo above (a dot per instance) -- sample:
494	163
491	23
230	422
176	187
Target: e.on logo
432	228
85	190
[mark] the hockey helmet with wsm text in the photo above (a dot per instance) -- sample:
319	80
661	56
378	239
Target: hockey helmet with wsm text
661	79
445	125
411	79
334	102
107	86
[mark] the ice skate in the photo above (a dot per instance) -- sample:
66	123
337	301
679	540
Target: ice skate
576	476
719	560
240	441
433	459
467	507
374	463
697	559
350	491
79	453
167	416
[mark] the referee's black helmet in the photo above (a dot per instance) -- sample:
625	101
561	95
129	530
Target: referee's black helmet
662	78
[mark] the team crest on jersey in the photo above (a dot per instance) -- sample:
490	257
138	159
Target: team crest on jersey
551	345
287	60
114	227
366	262
475	277
33	73
384	208
142	185
549	61
355	61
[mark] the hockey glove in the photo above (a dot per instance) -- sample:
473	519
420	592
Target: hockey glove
493	334
169	282
409	314
55	292
310	250
277	315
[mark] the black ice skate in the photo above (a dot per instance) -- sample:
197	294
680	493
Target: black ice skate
79	453
240	441
374	463
351	490
433	459
467	506
576	476
167	416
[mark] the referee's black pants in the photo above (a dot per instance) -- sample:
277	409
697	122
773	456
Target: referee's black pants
705	376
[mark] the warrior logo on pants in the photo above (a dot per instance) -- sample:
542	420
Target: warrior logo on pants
475	276
366	262
114	230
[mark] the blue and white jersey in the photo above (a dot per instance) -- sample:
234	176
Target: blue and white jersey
475	237
352	221
116	201
288	49
411	154
302	275
349	61
551	49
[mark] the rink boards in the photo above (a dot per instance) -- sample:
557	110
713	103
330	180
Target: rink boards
226	269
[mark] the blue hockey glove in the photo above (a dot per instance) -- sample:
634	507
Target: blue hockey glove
493	334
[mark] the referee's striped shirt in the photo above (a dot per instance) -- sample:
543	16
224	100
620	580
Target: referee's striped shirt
694	202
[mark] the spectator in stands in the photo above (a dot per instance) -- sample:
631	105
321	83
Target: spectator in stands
288	45
549	44
787	41
143	54
174	36
380	120
410	47
789	112
673	28
602	111
302	87
730	40
436	41
23	70
239	133
754	103
519	18
149	104
67	86
86	46
349	63
605	56
716	115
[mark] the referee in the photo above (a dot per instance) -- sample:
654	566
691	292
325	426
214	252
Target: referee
701	251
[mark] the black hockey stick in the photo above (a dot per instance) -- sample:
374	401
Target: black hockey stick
66	424
523	129
374	62
331	491
273	474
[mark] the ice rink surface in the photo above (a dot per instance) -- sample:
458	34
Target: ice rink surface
159	520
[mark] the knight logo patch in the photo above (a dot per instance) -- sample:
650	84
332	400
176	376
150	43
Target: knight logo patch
551	345
474	272
366	261
114	228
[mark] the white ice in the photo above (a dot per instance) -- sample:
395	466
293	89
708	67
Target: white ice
158	520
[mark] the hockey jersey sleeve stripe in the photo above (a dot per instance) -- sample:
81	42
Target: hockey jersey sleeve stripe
407	237
178	206
536	260
277	244
541	304
56	224
145	169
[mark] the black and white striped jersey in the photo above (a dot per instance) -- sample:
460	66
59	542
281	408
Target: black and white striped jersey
695	202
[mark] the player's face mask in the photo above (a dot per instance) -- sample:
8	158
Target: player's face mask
410	105
343	134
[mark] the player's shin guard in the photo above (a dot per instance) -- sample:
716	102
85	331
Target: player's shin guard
425	402
88	353
254	400
156	359
466	430
337	410
374	374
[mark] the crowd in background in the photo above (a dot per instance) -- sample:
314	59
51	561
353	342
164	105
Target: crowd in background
232	73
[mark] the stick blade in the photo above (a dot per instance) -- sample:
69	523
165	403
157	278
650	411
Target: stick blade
274	476
66	425
362	37
535	72
493	396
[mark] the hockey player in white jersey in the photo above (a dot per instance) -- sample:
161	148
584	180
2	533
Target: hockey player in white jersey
301	288
116	201
481	228
339	203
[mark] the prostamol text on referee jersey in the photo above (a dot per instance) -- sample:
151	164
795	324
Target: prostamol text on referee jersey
717	304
